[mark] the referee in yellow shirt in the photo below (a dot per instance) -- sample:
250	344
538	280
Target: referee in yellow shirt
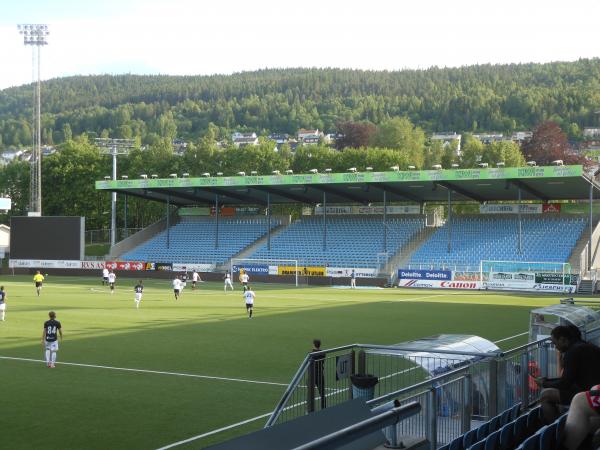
38	279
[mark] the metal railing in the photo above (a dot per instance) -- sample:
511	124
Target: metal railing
463	393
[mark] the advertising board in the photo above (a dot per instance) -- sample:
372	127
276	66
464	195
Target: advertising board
338	272
159	266
44	263
424	274
302	271
192	267
125	265
437	284
256	269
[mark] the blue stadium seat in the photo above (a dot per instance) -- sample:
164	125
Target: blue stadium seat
476	238
457	444
531	443
482	431
492	442
469	438
505	417
507	437
534	420
560	427
480	445
494	424
515	411
520	429
548	437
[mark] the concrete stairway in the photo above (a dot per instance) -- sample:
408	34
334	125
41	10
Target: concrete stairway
586	287
403	255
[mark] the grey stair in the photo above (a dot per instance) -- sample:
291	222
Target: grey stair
586	287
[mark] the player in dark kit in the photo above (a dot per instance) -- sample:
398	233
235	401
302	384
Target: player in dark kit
52	329
138	289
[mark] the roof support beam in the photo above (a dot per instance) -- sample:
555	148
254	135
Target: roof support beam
521	185
177	194
236	196
461	191
280	193
396	191
346	195
146	196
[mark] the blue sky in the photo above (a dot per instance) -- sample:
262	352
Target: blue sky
186	37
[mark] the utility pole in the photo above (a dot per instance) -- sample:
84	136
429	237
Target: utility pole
36	34
114	147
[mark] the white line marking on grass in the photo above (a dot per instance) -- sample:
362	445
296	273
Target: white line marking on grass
228	427
511	337
155	372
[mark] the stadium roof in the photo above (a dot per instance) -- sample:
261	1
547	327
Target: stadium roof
478	185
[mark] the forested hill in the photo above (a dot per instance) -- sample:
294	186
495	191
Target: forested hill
476	99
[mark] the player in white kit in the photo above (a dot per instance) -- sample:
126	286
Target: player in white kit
195	279
228	282
177	287
244	278
104	277
111	281
249	297
2	303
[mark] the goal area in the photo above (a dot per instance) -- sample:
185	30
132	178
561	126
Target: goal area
526	275
262	267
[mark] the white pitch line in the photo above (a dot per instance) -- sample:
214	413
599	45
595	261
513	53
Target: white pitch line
155	372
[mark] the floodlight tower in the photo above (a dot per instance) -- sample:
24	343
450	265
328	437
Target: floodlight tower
36	34
114	147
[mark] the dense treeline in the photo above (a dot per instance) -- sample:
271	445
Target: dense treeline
469	99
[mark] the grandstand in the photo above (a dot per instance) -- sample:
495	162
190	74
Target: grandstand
192	240
477	238
351	242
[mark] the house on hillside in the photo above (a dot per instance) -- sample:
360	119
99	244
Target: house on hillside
309	136
279	138
591	133
521	136
447	138
488	138
244	139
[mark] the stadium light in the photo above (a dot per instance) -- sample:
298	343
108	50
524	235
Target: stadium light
242	174
352	169
328	170
106	177
276	172
173	175
412	168
219	174
396	168
124	177
455	166
185	175
314	171
289	172
35	34
531	163
253	172
154	176
144	176
558	162
206	174
369	169
483	165
500	164
437	167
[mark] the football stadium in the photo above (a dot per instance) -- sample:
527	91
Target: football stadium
383	316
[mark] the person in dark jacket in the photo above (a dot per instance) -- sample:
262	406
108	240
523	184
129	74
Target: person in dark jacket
580	371
319	375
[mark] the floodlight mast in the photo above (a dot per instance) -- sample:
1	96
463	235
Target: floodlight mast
114	147
35	34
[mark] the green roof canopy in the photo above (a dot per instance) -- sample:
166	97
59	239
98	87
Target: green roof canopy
479	185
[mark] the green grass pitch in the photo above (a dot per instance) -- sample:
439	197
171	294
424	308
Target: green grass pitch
205	333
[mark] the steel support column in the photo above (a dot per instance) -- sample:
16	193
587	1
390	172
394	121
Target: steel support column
126	233
216	220
268	221
520	230
168	221
384	222
449	221
324	221
590	252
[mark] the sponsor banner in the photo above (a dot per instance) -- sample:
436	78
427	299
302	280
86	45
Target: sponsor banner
466	276
247	211
510	208
159	266
125	265
302	271
194	211
44	263
553	278
551	208
512	277
437	284
346	210
337	272
256	269
554	287
93	265
273	270
225	211
192	267
424	274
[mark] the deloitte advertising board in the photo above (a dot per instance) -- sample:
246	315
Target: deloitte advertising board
433	279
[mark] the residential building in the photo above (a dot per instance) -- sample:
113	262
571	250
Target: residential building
521	136
309	134
447	138
591	133
244	141
488	138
